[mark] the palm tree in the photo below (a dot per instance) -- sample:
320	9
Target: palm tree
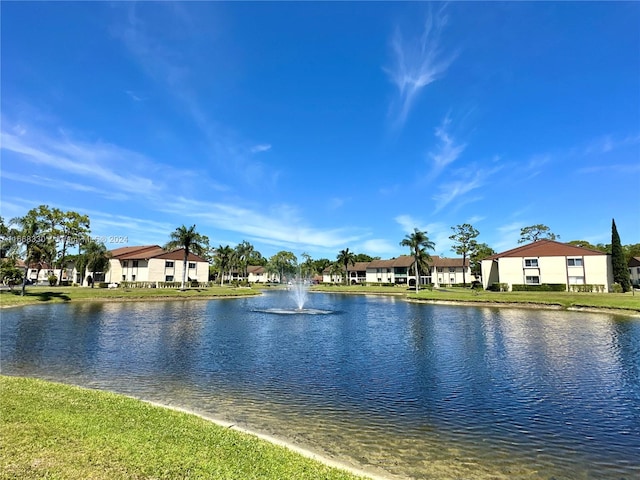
335	269
223	260
189	240
96	258
418	242
29	231
345	257
243	252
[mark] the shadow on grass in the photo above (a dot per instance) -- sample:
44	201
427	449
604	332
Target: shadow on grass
42	296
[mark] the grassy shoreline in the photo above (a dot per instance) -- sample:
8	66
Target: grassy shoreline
38	295
51	430
623	303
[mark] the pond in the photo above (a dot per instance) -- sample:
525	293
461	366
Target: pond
413	390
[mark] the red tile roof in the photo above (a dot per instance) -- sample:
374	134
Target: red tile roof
146	252
546	248
178	254
142	252
437	261
401	261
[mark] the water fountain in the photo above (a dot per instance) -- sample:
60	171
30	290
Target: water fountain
298	289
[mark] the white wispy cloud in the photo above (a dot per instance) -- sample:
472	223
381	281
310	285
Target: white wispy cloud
408	223
619	168
115	173
508	237
417	62
173	70
378	246
280	226
453	190
447	151
437	232
81	159
57	183
133	96
263	147
609	143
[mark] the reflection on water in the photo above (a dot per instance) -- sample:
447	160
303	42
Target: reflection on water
420	391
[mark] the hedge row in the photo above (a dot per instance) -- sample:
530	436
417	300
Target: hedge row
545	287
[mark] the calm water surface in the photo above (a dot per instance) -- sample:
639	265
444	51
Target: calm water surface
418	391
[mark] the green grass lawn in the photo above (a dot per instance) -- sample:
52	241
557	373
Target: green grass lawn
621	301
55	431
70	294
35	295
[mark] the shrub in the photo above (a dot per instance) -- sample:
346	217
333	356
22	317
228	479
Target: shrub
616	288
588	288
545	287
499	287
103	285
52	280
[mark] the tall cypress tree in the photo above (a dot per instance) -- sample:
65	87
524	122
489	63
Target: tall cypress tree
620	268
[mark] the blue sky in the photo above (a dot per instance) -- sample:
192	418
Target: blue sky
314	127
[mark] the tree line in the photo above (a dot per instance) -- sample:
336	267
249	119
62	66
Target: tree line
45	235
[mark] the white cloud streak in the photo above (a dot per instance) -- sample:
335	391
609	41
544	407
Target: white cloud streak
447	150
83	160
263	147
282	226
418	62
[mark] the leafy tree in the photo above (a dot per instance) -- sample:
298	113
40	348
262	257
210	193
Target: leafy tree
585	244
190	241
10	274
73	228
465	237
619	264
320	264
96	259
535	233
363	257
256	258
631	251
7	239
307	266
480	252
418	242
285	263
223	259
345	257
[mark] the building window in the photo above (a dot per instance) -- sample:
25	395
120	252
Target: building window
135	264
452	269
124	278
530	262
192	264
574	262
168	264
125	263
576	280
168	278
638	270
532	280
440	269
133	278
